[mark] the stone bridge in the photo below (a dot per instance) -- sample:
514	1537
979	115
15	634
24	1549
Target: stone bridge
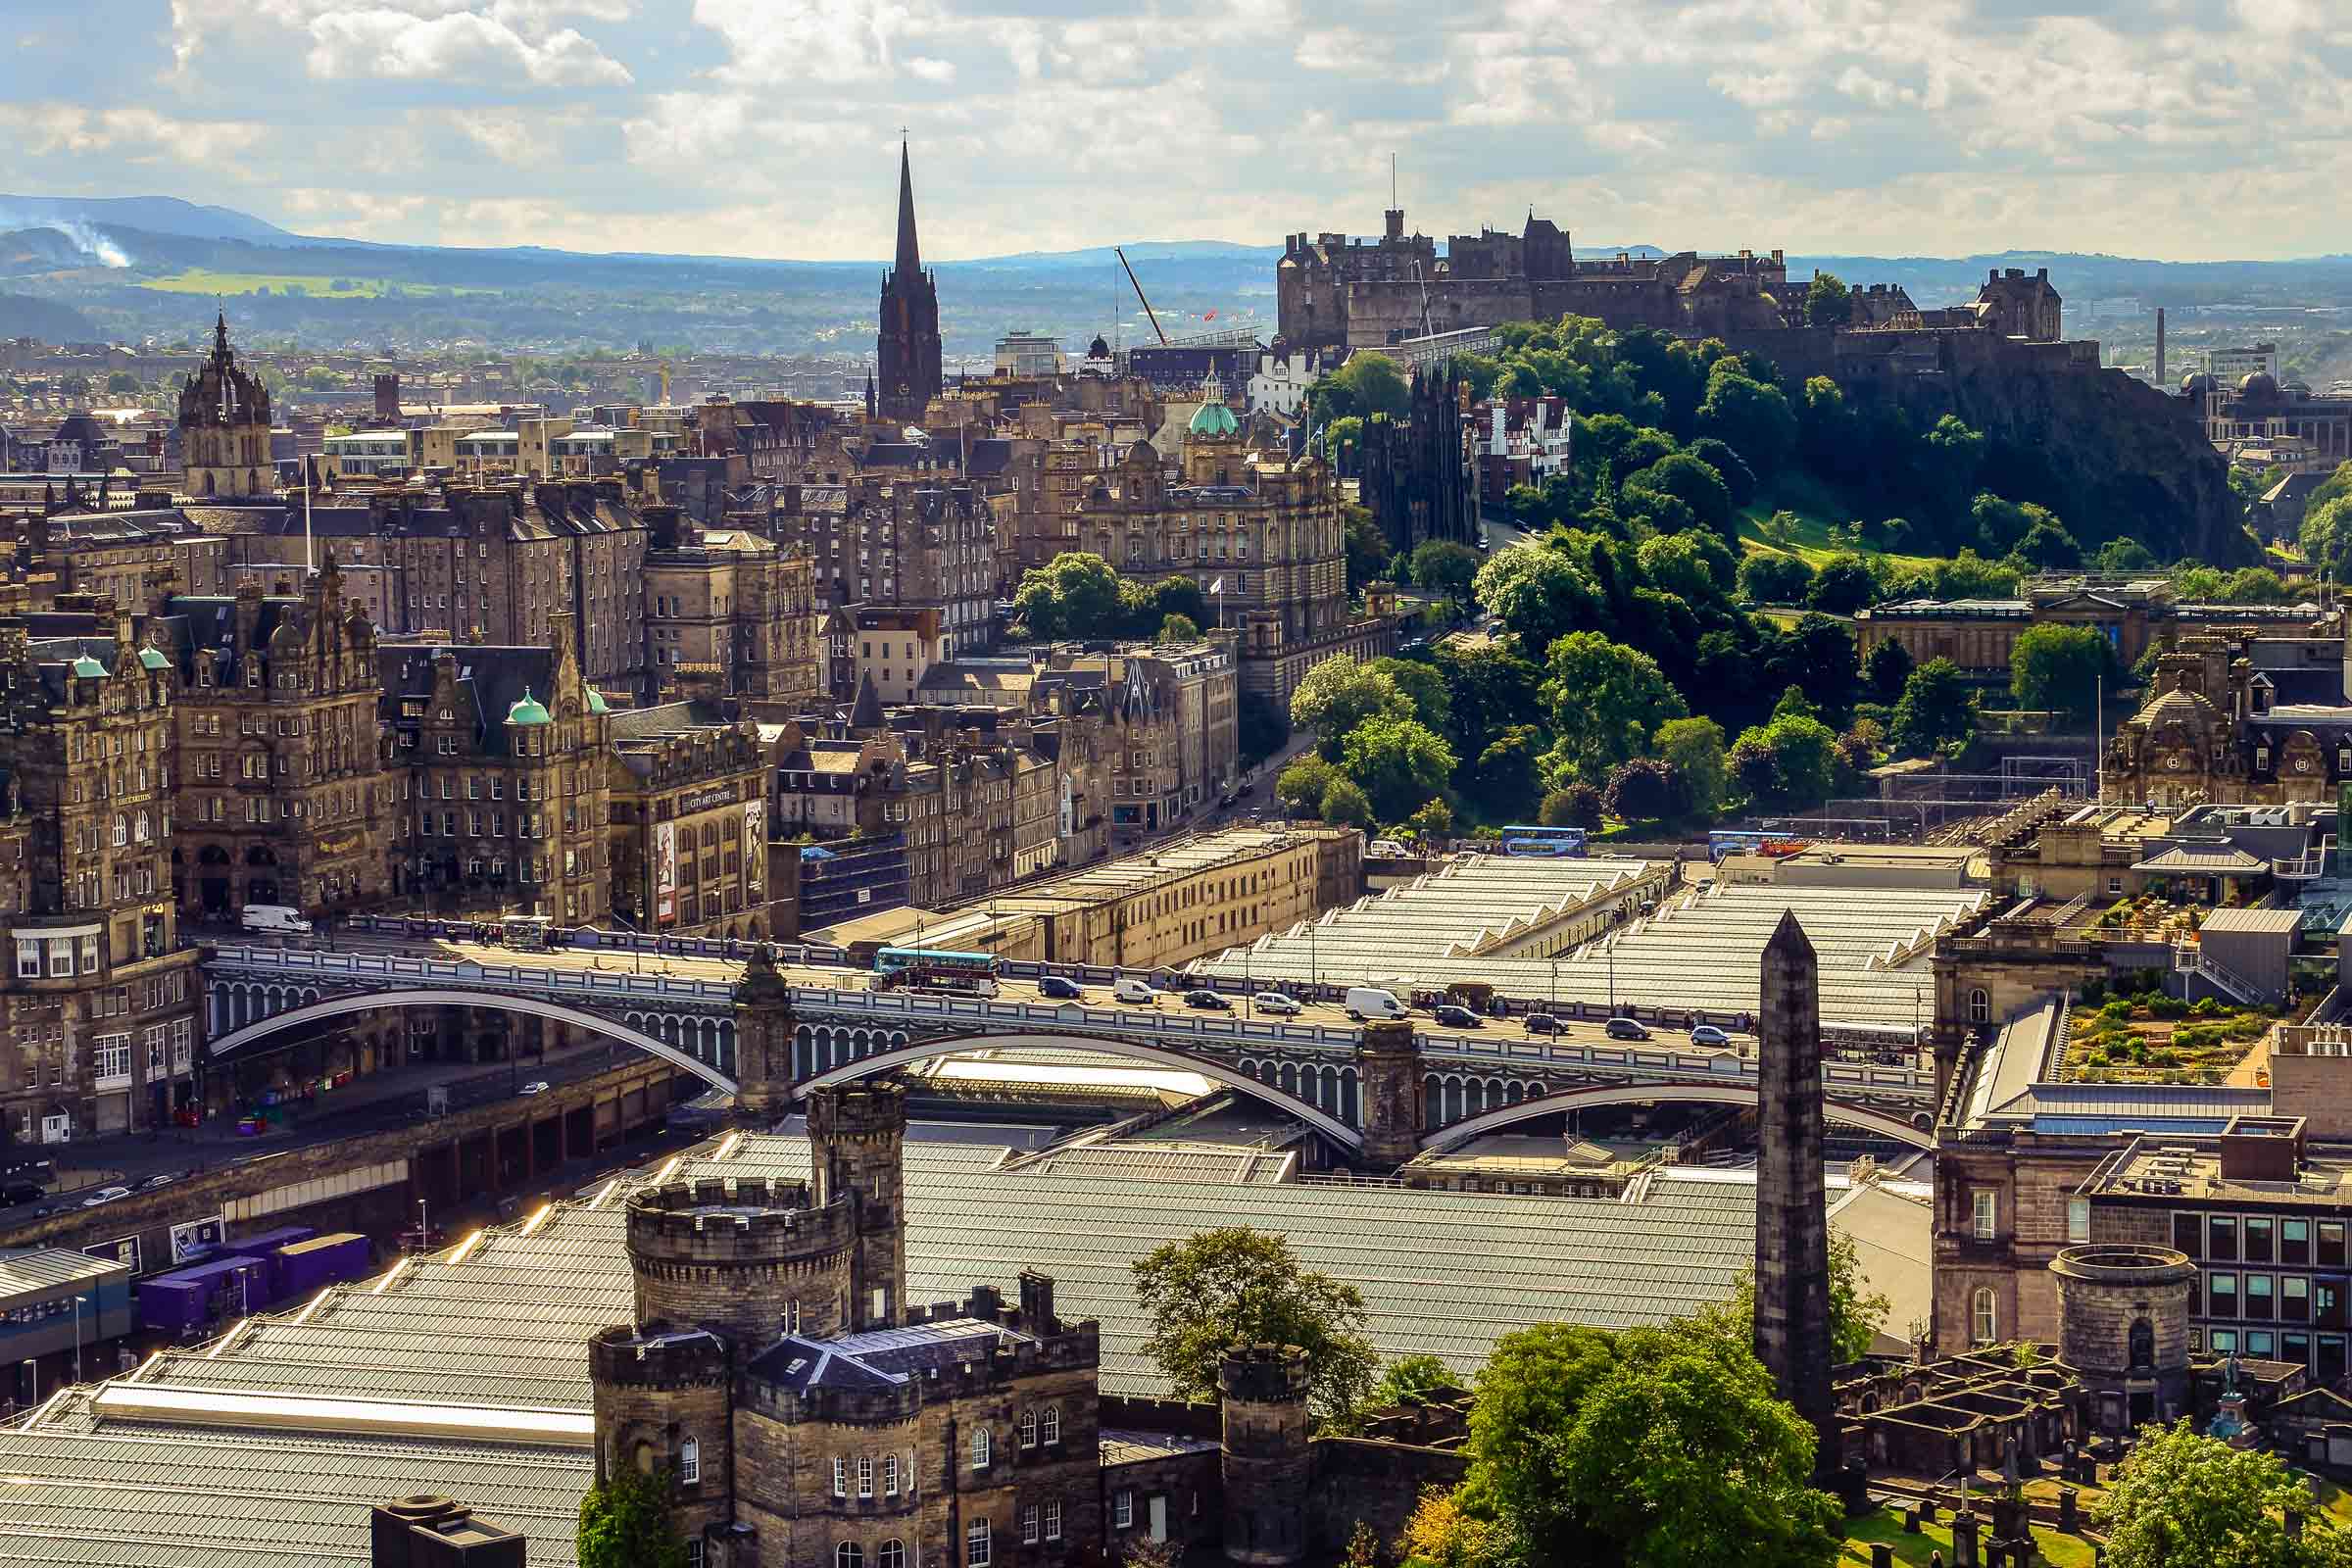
1448	1087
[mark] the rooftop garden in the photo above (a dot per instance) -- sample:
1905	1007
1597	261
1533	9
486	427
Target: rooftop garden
2147	1037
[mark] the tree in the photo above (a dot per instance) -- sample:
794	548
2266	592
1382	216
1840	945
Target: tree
1424	687
1775	580
1262	728
1691	481
1510	776
1695	566
2060	670
1302	784
1539	593
1643	790
1790	762
1343	439
2126	554
1723	459
1885	671
626	1522
1856	1311
1842	586
1606	702
1828	303
1644	1446
1339	694
1366	546
2047	546
1937	707
1577	806
1179	630
122	384
1074	595
1366	385
1441	567
1411	1381
1752	417
1433	820
1397	763
2184	1500
1693	748
1235	1286
1345	804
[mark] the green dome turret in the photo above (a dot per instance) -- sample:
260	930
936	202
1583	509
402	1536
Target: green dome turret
89	669
597	703
528	711
1214	422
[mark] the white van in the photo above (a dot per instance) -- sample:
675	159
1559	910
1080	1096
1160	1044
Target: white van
276	917
1370	1002
1132	987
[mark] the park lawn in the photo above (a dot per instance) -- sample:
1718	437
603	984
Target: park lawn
204	281
1809	540
2051	1547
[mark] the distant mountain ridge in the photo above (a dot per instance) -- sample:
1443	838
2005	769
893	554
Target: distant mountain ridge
154	214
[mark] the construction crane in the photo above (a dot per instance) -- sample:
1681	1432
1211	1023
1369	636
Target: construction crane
1138	294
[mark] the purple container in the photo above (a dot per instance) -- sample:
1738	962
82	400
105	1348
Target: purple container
188	1298
306	1268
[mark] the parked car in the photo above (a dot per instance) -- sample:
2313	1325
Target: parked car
1386	849
1455	1017
164	1180
13	1193
104	1196
1625	1029
1060	986
1706	1034
1275	1003
1209	1000
535	1087
1371	1002
1544	1023
1128	988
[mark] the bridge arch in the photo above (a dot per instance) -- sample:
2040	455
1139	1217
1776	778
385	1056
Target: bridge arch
1232	1077
1720	1094
633	1032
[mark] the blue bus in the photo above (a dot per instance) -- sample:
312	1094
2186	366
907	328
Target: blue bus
1725	841
937	969
1564	842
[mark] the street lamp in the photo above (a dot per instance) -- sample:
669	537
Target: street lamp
1555	985
77	1300
421	1232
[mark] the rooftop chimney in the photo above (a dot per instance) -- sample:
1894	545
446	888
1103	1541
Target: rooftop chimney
427	1532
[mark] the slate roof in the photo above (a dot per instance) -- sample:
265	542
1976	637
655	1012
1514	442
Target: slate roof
494	676
2210	859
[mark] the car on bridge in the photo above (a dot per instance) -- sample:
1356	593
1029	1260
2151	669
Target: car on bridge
1060	988
1275	1003
1208	1001
1625	1029
1544	1023
1706	1034
1453	1016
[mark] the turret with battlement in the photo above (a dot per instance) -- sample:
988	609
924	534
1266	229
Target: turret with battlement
748	1257
1266	1456
856	1145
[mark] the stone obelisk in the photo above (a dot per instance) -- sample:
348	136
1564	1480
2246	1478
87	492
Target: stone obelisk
1792	1227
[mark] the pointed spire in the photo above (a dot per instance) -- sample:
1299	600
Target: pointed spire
911	255
220	333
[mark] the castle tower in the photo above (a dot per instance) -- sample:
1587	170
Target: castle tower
765	1032
745	1257
664	1401
225	427
1266	1464
1388	1064
906	344
856	1145
1792	1228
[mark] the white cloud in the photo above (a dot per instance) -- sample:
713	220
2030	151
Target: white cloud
460	46
141	136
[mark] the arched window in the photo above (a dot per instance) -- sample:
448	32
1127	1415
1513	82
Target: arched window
139	830
1028	1429
892	1555
1980	1005
122	830
690	1463
1984	1316
979	1447
1049	1427
849	1554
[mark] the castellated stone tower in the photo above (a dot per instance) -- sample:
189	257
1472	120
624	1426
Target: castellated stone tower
664	1401
1267	1457
856	1145
1388	1063
747	1258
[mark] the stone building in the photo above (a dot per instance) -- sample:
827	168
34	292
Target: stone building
2215	729
506	755
126	555
729	599
1420	479
906	353
101	1001
689	838
1169	718
2134	615
224	428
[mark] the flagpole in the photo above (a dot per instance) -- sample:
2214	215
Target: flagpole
310	559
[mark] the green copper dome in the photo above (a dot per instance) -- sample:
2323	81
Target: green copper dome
527	711
89	669
1215	421
154	659
597	703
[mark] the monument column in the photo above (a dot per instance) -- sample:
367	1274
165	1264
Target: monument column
763	1040
1793	1229
1387	1070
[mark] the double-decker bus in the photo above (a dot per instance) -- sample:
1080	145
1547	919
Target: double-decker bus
1557	842
936	969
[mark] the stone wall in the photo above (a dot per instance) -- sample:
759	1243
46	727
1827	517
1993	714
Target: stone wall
1374	1484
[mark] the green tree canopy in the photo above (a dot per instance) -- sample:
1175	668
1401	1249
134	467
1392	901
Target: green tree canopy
1539	593
1345	803
1178	630
627	1522
1936	707
1857	1312
1694	747
1828	303
1693	565
1886	669
1076	594
1411	1381
1691	481
1510	773
1399	764
1261	727
1366	385
1336	696
1441	567
1642	790
1367	548
1302	784
1576	806
2047	546
1842	586
2060	670
1790	762
1234	1286
1606	701
2126	554
2181	1500
1775	580
1751	417
1648	1447
1424	686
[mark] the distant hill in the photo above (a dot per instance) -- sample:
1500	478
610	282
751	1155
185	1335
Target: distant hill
22	316
154	214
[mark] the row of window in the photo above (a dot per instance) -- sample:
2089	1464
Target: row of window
2259	1239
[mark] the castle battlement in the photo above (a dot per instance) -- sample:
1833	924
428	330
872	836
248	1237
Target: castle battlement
739	1220
653	1356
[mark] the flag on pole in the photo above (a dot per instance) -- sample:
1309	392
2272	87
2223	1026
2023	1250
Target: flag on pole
1217	586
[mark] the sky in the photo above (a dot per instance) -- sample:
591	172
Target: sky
2186	129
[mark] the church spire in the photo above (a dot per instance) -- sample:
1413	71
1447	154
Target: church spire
911	255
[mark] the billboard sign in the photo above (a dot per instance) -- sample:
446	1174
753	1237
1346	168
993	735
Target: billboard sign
665	873
754	847
197	1236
